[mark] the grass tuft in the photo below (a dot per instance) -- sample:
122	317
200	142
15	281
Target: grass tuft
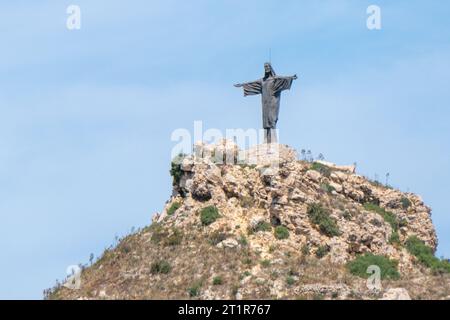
209	215
321	217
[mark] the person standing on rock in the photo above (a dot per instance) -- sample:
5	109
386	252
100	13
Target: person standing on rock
270	88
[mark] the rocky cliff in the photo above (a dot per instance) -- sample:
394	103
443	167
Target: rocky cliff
260	223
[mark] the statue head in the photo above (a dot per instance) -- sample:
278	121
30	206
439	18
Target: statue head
268	70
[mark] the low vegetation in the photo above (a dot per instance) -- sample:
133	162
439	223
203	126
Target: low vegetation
261	226
174	238
323	169
327	188
217	237
209	215
322	251
425	255
158	233
175	169
217	281
161	266
265	263
359	266
305	250
406	203
162	236
290	280
281	232
394	239
321	217
388	216
243	240
174	207
194	289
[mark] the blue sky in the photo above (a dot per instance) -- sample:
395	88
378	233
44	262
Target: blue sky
86	115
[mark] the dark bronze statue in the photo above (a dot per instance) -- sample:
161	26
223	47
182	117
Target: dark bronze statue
270	88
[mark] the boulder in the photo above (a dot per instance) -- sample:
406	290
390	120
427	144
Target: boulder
396	294
313	175
228	243
187	164
349	169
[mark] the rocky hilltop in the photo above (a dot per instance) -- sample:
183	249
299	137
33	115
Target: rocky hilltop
262	224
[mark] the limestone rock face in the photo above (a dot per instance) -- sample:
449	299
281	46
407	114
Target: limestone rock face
396	294
268	184
259	223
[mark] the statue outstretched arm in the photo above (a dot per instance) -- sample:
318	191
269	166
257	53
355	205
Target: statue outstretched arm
283	83
251	88
294	77
239	85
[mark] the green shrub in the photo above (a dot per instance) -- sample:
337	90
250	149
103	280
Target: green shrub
194	290
217	281
406	203
395	238
321	217
209	215
175	170
243	240
388	216
305	250
347	215
417	247
161	235
262	226
327	188
161	266
322	251
290	280
425	255
360	264
323	169
281	232
265	263
174	207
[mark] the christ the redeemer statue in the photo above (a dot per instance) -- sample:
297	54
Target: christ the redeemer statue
270	88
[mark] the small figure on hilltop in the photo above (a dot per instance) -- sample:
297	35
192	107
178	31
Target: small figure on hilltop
270	88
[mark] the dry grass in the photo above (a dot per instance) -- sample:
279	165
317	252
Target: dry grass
125	273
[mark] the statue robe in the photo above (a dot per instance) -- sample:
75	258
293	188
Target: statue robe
270	89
